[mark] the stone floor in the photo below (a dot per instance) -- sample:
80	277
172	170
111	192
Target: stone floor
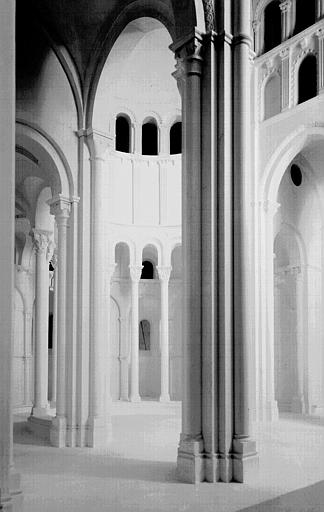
137	472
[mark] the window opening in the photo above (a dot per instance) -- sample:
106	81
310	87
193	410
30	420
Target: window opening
149	138
176	138
272	25
122	134
307	79
144	335
147	270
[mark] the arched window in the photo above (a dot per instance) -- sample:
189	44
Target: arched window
176	138
272	104
144	335
307	79
272	25
305	14
147	270
122	134
150	138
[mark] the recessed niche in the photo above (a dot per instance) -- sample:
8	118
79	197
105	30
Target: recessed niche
296	175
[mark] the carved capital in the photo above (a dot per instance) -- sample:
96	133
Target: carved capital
189	51
285	5
43	244
60	207
135	272
284	53
164	273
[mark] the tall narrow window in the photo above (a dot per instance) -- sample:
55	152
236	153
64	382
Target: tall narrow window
150	138
122	134
305	14
144	335
272	25
147	270
307	79
176	138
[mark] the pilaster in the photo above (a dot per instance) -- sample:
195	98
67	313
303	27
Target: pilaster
285	78
286	19
164	276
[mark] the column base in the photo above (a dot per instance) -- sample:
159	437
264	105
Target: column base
15	491
298	405
58	432
245	461
41	412
99	432
190	461
211	467
135	398
164	398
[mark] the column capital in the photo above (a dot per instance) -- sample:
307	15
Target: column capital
285	5
98	142
164	273
189	51
135	272
320	33
60	207
284	53
42	241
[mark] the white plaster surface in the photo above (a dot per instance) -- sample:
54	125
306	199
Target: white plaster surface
137	472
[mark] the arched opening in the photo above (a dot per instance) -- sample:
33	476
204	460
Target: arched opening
307	79
298	286
305	14
123	134
176	138
147	270
272	96
272	25
150	138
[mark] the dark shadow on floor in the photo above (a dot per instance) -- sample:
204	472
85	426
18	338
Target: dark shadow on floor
23	435
307	499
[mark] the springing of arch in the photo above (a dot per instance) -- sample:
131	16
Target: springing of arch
123	133
176	138
307	78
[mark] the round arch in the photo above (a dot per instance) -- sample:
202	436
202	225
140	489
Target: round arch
284	155
47	153
179	20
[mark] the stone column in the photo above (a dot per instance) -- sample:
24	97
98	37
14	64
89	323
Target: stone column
244	448
61	207
54	336
298	402
43	245
99	422
164	275
320	80
286	19
190	465
285	78
124	357
135	274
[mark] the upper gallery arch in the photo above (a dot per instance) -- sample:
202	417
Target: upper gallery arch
179	17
